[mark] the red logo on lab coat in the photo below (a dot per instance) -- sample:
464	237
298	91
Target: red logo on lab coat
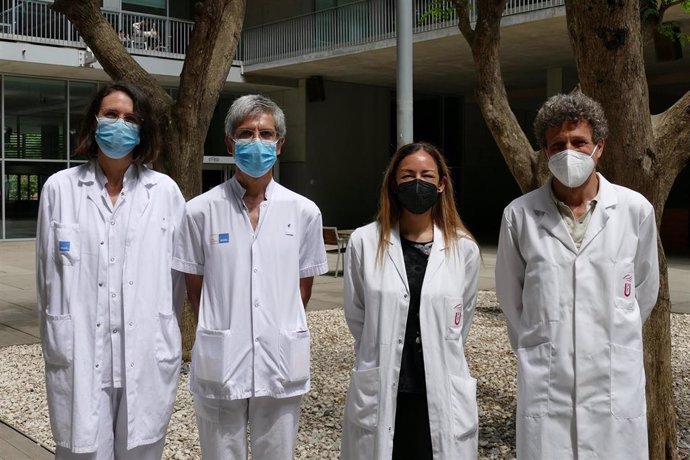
457	319
627	288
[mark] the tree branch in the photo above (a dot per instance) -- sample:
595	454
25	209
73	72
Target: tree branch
665	5
492	98
102	39
209	55
671	138
462	8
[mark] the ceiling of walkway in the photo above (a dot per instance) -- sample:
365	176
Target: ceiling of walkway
443	62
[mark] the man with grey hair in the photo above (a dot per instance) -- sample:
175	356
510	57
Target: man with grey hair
250	249
576	276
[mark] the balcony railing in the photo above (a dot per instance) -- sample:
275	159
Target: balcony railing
355	24
35	22
350	25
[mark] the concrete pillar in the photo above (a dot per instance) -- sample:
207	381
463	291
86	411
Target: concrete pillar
404	91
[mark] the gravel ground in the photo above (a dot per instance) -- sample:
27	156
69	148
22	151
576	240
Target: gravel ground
23	404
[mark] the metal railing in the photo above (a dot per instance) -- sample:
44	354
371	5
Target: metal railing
34	21
354	24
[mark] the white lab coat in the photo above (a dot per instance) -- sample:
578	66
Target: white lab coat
68	295
376	305
575	322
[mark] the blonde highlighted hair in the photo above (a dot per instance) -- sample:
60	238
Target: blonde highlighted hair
444	213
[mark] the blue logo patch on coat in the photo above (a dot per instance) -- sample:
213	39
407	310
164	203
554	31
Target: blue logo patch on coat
63	246
220	238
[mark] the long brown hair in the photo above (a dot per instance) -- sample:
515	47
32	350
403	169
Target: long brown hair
444	213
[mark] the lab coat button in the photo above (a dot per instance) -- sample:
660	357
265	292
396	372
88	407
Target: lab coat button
98	324
97	365
405	296
400	340
100	284
102	243
131	283
114	331
112	222
131	364
113	295
112	259
256	270
131	324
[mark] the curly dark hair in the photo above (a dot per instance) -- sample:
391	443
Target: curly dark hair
570	107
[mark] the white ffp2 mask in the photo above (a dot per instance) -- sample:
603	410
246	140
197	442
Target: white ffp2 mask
572	168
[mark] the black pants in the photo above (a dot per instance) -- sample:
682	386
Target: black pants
412	437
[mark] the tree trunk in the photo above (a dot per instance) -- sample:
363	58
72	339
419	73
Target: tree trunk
610	35
644	153
184	123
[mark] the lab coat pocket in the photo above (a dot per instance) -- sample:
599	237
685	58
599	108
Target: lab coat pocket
627	382
211	356
453	310
463	398
534	380
294	354
541	293
67	247
58	340
168	341
624	285
363	398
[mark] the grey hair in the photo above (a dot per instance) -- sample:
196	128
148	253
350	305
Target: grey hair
250	106
573	108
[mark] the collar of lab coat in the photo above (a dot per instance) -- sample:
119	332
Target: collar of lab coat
238	191
87	175
436	256
552	221
142	196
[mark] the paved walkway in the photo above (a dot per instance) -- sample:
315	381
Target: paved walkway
18	317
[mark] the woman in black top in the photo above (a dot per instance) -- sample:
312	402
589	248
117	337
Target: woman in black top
410	290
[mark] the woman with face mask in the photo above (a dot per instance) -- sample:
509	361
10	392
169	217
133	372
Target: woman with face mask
410	290
105	289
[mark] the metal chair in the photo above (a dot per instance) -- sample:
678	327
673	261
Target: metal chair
331	238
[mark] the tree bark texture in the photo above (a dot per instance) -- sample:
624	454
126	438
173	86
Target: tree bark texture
643	152
184	122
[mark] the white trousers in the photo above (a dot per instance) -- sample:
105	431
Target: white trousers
222	424
112	434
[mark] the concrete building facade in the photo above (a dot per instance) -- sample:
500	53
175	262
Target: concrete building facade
331	65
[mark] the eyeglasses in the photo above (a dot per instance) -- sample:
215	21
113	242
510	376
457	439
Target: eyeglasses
247	134
113	116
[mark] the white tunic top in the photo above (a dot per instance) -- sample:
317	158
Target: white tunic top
252	338
114	223
73	296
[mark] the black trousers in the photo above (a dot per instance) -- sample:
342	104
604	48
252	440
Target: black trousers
412	436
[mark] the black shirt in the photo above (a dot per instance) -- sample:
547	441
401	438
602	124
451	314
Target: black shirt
411	379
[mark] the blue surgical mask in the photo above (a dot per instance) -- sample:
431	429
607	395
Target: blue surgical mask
255	157
116	138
